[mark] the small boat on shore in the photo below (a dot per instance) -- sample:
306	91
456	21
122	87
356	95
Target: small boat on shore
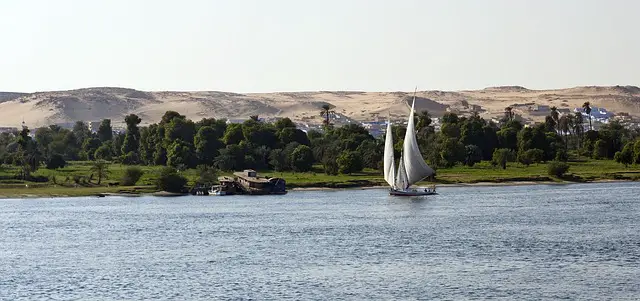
217	191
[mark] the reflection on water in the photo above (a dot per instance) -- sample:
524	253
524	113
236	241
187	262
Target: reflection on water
521	242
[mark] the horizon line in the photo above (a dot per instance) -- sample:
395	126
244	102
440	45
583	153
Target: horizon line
320	91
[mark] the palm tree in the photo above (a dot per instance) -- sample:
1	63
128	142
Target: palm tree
571	123
578	128
101	169
508	113
564	127
326	113
555	115
587	109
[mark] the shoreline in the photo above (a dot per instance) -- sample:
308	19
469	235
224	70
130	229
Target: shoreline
98	194
476	184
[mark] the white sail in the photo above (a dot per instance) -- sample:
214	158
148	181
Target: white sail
389	164
415	166
402	182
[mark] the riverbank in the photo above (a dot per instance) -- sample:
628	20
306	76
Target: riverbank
54	192
482	174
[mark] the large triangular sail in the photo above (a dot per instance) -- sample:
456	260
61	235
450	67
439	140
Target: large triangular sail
415	166
402	182
389	164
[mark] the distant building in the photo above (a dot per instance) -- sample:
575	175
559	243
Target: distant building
94	126
539	108
476	108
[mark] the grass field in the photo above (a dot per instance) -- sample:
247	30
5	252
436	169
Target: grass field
591	170
64	184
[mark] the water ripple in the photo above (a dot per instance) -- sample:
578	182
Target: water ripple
474	243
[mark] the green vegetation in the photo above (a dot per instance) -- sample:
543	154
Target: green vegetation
170	180
557	168
131	176
591	170
178	153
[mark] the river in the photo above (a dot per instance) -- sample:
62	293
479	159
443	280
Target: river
579	241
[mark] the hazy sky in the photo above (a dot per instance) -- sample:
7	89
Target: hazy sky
298	45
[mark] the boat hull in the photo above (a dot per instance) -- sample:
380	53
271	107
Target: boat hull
411	192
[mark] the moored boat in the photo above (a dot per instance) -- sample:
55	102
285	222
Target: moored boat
251	183
217	191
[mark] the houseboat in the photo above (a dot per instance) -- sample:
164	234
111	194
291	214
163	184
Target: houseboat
250	183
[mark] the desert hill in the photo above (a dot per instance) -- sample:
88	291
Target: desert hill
93	104
10	95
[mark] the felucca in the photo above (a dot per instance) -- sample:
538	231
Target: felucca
412	167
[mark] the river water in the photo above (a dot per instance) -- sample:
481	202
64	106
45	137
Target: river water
540	242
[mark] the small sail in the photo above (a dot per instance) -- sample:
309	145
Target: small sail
401	180
416	168
389	164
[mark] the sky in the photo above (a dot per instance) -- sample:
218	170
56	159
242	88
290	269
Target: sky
303	45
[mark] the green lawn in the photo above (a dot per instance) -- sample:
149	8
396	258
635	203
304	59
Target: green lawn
584	171
589	170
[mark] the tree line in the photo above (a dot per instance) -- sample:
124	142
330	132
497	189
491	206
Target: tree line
181	143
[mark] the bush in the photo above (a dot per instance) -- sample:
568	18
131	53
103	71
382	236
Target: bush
207	175
557	168
278	160
531	156
349	162
561	155
302	158
130	158
625	156
103	152
501	157
131	176
600	149
170	181
330	166
56	161
473	155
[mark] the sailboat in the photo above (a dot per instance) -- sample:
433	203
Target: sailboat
412	168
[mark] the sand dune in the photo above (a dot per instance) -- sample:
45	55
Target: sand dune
92	104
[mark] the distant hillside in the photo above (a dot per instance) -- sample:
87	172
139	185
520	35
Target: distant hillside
92	104
4	96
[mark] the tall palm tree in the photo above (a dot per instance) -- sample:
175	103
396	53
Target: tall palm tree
564	127
508	113
555	115
578	127
326	113
571	123
101	169
587	109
